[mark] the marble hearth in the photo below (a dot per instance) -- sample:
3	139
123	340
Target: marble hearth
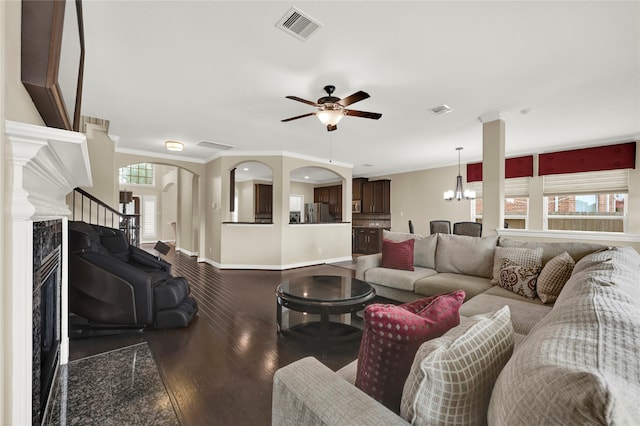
45	165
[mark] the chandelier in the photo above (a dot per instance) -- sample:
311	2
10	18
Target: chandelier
459	194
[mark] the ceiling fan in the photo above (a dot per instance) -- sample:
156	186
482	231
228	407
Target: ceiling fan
331	109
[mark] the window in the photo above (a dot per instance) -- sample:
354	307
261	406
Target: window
516	202
588	201
587	212
137	174
516	211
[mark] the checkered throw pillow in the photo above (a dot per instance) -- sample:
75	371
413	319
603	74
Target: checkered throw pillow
452	376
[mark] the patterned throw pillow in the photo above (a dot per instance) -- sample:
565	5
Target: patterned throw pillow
554	276
452	376
397	255
521	256
519	279
392	335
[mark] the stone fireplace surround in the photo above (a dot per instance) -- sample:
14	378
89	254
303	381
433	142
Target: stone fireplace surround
45	165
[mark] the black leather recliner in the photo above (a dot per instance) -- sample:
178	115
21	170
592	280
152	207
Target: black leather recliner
112	283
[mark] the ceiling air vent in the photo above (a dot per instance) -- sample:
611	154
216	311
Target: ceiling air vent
216	145
297	24
440	109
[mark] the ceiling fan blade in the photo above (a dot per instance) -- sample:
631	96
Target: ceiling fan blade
356	97
331	127
363	114
298	116
304	101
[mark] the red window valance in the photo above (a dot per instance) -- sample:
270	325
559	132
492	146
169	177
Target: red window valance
513	168
610	157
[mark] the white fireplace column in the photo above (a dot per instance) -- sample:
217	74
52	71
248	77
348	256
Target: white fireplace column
46	165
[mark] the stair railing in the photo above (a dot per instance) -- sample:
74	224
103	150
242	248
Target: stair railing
87	208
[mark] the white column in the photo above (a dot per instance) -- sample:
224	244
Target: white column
633	221
493	157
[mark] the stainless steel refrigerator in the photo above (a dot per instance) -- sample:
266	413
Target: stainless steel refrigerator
317	213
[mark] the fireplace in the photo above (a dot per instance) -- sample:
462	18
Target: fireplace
45	165
47	243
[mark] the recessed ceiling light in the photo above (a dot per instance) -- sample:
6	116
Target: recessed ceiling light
246	169
306	177
173	146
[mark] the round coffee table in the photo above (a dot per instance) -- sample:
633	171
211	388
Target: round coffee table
325	295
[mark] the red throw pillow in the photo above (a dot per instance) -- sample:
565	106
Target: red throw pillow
397	255
391	337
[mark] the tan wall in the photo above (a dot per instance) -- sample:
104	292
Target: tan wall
213	211
304	189
418	196
185	240
188	204
102	158
238	247
15	105
246	200
168	208
306	243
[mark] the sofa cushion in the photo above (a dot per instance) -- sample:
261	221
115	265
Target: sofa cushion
391	337
396	278
554	276
581	360
460	254
550	250
524	313
452	376
424	250
397	255
521	256
518	278
445	282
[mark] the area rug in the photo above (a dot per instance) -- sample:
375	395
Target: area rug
121	387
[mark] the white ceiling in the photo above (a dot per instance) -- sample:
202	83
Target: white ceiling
564	74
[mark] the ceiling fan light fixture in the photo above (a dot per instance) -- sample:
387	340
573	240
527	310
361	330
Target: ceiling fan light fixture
330	117
173	146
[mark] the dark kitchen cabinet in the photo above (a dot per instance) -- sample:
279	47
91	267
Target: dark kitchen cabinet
356	188
321	195
263	202
376	197
331	195
335	202
367	240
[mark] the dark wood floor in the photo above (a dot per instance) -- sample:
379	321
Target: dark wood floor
220	369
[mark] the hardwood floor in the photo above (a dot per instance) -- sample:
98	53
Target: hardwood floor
220	369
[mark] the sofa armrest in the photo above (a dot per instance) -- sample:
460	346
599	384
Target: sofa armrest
367	262
307	392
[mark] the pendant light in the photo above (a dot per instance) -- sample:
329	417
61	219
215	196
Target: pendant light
459	194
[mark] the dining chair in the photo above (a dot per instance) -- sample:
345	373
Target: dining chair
440	226
472	229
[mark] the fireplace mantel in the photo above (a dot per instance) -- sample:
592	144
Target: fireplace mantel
45	165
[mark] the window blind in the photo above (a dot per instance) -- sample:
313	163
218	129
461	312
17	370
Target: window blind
601	182
514	188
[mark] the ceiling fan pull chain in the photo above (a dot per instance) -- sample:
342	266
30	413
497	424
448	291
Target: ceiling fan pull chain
330	147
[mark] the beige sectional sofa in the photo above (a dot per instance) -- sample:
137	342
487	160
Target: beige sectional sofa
576	361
